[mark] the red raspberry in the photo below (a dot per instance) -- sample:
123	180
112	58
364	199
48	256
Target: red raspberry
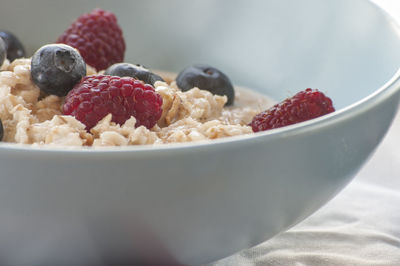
98	38
305	105
99	95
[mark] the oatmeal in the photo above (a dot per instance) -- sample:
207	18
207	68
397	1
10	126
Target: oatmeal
32	117
80	92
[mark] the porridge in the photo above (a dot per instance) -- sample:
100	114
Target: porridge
78	92
30	117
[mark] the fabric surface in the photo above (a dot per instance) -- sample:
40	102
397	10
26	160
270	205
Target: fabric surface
360	226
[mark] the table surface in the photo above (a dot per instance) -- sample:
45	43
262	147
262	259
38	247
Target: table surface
360	226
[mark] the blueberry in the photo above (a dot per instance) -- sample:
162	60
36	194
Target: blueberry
3	51
15	49
207	78
1	130
56	68
135	71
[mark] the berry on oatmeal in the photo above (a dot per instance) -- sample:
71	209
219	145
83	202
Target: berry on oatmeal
3	51
56	68
99	95
135	71
98	38
305	105
207	78
14	47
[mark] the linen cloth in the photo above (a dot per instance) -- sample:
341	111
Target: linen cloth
360	226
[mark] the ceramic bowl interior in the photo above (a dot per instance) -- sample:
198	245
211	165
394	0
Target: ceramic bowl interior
311	44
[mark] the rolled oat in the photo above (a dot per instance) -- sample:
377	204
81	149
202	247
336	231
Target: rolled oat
30	117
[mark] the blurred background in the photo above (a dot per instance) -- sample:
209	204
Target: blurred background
391	6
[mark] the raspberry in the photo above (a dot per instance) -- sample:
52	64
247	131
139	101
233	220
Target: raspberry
98	38
99	95
305	105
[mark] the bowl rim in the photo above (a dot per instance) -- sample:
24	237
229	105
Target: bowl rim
345	113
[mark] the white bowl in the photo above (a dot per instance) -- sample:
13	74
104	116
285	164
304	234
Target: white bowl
195	203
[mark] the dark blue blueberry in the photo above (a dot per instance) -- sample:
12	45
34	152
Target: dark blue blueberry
15	49
56	68
3	51
207	78
135	71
